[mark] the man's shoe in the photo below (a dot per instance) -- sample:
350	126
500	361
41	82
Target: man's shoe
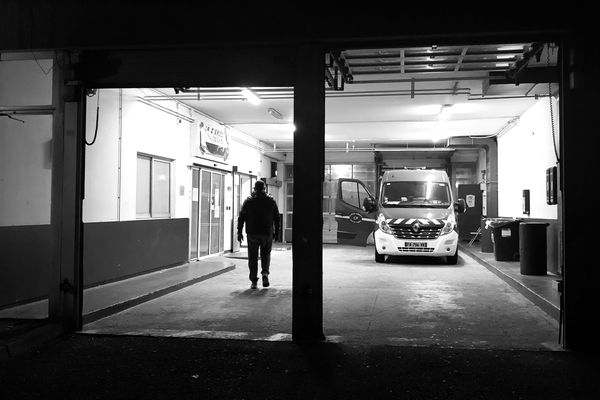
254	286
265	281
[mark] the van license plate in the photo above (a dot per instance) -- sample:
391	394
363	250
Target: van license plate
415	244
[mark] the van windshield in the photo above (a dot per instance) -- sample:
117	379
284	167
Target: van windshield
415	194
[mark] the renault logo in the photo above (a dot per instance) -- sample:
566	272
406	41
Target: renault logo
355	218
416	227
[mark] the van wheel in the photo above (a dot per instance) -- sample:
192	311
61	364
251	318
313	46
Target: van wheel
452	260
379	258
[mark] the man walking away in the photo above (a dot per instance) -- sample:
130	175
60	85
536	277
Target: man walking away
260	214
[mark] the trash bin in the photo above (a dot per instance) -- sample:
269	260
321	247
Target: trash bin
505	236
532	247
486	236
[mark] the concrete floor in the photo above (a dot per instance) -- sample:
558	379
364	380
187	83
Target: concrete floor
106	299
405	301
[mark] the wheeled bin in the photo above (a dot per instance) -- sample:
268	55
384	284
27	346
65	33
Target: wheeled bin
505	236
532	247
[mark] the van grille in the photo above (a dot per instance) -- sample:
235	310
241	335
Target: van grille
425	232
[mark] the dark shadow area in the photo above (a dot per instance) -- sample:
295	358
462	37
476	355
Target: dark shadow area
13	327
404	261
94	366
421	260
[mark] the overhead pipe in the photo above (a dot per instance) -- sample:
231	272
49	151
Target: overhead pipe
334	94
457	53
361	149
439	79
27	110
427	62
165	109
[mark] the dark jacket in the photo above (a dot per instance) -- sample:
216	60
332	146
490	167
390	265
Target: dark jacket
259	213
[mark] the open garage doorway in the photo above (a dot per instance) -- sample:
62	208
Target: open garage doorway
167	172
377	122
406	252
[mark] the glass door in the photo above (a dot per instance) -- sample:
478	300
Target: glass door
205	205
216	213
207	213
194	216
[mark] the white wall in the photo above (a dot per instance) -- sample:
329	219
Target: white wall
102	158
144	129
245	153
25	170
524	154
339	157
157	133
25	147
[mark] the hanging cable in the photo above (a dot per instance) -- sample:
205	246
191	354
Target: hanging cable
97	117
11	117
551	108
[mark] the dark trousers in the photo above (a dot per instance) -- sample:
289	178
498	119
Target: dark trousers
256	243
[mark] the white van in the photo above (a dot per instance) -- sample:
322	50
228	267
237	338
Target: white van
414	216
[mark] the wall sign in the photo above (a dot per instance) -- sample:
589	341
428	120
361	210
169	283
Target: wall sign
470	200
213	141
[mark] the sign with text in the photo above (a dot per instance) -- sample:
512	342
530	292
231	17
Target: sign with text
213	140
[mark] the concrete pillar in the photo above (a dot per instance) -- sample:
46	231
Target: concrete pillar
578	150
491	187
309	156
66	282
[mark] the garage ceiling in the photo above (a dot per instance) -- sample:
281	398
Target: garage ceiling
393	96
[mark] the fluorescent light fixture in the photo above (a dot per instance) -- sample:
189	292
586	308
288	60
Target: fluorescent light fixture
504	56
502	64
510	48
250	96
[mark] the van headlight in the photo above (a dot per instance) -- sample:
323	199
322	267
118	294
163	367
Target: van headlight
383	225
450	225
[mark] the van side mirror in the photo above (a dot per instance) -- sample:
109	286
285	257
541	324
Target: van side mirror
369	204
460	206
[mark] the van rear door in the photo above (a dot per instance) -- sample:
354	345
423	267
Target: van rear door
354	222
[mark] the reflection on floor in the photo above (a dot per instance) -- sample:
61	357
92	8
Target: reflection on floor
541	289
407	301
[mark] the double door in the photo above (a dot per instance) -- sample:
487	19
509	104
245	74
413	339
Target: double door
207	219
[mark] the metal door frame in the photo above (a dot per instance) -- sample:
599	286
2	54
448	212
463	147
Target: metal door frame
221	201
237	204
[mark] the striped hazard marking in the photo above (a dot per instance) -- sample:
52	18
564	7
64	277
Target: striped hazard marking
410	221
